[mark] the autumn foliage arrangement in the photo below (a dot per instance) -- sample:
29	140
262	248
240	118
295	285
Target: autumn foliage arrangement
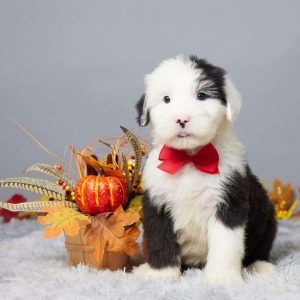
97	206
284	199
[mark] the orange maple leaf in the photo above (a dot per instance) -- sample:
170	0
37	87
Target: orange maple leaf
116	232
61	218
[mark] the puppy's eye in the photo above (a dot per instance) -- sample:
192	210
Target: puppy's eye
167	99
201	96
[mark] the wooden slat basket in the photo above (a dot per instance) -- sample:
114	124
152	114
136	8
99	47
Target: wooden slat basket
80	253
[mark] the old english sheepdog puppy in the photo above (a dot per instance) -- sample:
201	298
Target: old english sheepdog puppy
203	207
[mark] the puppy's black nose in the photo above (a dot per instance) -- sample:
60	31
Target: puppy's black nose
182	123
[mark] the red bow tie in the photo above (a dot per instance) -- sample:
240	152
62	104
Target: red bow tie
205	160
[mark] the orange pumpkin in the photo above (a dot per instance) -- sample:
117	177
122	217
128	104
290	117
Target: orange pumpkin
98	194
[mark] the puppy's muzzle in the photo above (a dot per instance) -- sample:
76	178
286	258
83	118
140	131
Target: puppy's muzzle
182	122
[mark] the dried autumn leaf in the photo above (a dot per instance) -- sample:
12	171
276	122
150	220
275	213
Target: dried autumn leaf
281	192
109	169
110	172
131	235
116	232
61	218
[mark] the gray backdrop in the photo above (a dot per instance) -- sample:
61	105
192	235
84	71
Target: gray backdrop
71	71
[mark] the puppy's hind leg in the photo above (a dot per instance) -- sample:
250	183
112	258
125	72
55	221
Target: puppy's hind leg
162	247
259	260
262	267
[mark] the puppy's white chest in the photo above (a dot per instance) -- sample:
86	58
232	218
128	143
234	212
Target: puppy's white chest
193	205
191	197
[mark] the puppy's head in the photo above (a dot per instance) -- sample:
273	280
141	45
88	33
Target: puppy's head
186	101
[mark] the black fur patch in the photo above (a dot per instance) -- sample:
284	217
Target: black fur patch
214	74
162	246
140	109
246	203
234	210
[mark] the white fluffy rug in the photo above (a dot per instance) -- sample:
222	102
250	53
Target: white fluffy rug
34	268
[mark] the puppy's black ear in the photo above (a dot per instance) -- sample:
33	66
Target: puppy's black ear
143	117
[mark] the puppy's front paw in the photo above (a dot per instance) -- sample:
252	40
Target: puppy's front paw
216	277
145	271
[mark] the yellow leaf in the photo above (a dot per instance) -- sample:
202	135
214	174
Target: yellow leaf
135	204
62	218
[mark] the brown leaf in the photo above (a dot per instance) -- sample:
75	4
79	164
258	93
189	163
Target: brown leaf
131	236
116	232
108	169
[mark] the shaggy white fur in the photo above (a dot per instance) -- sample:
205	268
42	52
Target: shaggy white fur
34	268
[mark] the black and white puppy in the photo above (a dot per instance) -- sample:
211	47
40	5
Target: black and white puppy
222	222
